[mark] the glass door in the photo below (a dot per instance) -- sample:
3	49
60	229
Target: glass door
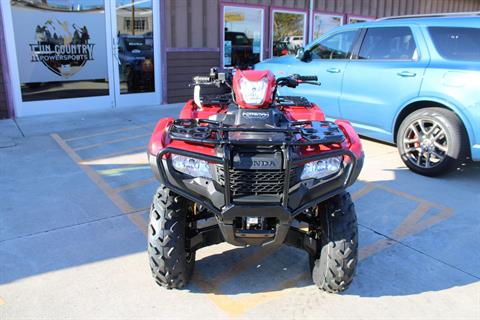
77	55
136	52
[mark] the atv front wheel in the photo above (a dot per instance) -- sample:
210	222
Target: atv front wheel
170	260
334	266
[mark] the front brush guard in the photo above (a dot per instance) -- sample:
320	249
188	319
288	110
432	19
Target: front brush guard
231	210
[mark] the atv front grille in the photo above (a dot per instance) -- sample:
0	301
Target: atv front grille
255	182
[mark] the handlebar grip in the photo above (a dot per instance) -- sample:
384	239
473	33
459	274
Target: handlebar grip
308	78
201	79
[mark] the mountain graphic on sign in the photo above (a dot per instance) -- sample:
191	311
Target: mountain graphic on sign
62	47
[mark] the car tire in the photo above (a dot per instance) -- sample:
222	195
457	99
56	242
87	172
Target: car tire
333	267
432	141
171	263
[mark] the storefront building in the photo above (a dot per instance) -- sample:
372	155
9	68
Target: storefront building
73	55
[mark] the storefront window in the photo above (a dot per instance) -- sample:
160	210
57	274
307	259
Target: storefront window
135	46
243	36
322	23
353	19
61	48
288	32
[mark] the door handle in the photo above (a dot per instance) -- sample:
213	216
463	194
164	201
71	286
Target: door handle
406	74
334	70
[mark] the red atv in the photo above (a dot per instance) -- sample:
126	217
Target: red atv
250	167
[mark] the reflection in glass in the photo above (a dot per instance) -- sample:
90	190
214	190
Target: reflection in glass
322	23
242	35
135	46
60	48
357	20
288	32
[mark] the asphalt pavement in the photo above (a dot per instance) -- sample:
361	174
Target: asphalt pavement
74	195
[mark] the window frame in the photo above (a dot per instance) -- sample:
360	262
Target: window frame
356	50
273	10
263	9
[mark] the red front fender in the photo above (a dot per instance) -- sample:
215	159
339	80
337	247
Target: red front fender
159	138
355	145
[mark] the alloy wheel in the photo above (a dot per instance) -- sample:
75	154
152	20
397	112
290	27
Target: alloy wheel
425	143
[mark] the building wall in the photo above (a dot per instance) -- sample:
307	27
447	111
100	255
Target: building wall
3	97
4	113
194	24
182	66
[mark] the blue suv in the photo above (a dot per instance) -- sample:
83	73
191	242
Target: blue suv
413	81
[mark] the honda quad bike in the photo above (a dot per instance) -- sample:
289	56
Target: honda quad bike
251	167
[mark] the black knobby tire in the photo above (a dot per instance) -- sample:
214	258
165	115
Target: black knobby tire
172	265
455	135
334	266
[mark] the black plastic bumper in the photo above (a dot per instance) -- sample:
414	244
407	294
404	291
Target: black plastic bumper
217	198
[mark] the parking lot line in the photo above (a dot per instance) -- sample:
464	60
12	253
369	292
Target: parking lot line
243	265
406	195
412	224
96	145
404	228
150	125
363	191
135	184
116	153
237	307
121	203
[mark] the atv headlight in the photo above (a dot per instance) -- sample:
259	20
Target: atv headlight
191	166
253	92
321	168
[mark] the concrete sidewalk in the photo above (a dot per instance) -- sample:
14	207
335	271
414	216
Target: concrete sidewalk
75	190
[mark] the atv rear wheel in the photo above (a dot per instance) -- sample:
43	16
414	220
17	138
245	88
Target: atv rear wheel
170	260
334	266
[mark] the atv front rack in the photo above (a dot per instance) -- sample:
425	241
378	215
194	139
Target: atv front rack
288	101
298	133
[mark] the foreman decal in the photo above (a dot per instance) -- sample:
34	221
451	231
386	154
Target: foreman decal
62	48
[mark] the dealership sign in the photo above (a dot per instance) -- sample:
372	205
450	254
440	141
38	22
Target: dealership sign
62	51
58	45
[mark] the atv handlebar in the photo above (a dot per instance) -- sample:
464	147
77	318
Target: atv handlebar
215	78
199	79
306	78
294	80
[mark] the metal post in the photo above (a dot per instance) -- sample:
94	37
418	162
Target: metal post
311	20
133	17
